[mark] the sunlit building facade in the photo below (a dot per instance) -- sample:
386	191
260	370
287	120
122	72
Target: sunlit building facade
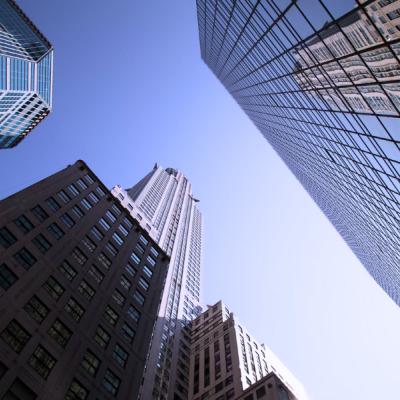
26	75
320	80
164	204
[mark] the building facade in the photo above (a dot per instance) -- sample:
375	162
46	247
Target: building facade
226	360
80	286
320	80
163	202
26	75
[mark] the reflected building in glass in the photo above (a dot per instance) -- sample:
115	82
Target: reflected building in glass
26	75
320	79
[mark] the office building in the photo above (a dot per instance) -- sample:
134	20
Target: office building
226	360
320	80
80	286
26	75
163	202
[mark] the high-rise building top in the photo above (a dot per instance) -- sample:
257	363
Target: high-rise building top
323	86
26	75
163	202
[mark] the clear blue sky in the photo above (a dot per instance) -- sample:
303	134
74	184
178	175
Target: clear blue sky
130	89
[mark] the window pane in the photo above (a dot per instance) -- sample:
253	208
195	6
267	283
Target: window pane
40	213
7	277
60	333
15	336
42	362
36	309
41	243
6	238
24	224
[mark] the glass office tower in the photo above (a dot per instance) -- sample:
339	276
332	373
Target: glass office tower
320	80
26	75
164	204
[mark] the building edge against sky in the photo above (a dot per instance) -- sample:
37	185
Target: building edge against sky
26	75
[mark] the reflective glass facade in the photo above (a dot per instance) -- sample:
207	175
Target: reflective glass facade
26	75
320	79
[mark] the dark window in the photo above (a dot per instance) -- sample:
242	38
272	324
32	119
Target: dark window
130	269
90	363
52	203
101	337
147	271
19	389
118	239
151	261
104	260
89	244
86	290
93	197
123	230
260	392
144	284
85	204
78	256
60	333
77	212
154	252
82	184
7	277
67	220
15	336
111	382
41	243
118	297
125	282
135	258
104	224
54	288
96	274
111	249
128	332
134	313
110	315
6	237
128	223
24	224
56	231
67	270
88	179
111	216
76	391
3	369
100	191
40	213
120	355
25	258
97	233
36	309
73	190
64	196
116	209
74	309
143	240
140	248
138	297
42	362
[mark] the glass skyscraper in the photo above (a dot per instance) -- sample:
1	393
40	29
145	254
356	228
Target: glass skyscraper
321	81
26	75
164	204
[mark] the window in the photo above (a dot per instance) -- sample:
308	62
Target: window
67	270
260	392
143	240
111	382
101	337
138	297
73	190
151	261
121	196
63	196
56	231
39	213
140	248
36	309
78	255
104	224
134	313
100	191
130	206
93	197
42	362
144	284
130	270
76	391
125	282
7	238
24	224
15	336
7	277
135	258
67	220
16	389
86	290
90	363
96	274
97	234
104	260
118	239
116	209
76	210
52	203
25	258
128	332
89	244
81	184
154	251
118	297
120	355
147	271
74	309
111	216
128	223
60	333
88	179
123	230
111	249
85	204
41	243
111	316
54	288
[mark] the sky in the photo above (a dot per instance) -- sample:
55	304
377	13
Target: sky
130	90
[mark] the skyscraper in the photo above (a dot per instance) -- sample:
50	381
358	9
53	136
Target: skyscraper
164	204
320	80
80	286
26	75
